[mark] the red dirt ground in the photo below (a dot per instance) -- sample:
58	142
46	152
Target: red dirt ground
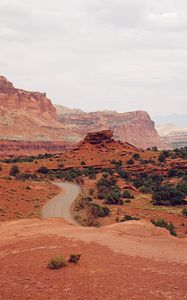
124	261
23	199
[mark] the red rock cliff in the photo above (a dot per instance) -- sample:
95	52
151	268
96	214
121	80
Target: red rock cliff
32	102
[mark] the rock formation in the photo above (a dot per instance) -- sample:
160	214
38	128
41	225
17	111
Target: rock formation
32	102
16	148
31	116
136	127
28	116
99	137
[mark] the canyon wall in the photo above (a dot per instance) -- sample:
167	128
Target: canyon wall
31	116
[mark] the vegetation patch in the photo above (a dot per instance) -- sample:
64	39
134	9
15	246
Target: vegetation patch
162	223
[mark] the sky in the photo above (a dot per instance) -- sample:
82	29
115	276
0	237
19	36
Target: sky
119	55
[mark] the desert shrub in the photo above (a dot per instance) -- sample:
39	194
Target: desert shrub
90	172
114	197
108	190
127	194
145	189
130	161
162	223
162	158
99	211
61	165
14	171
154	148
167	195
74	258
117	163
144	161
128	201
136	156
172	173
181	153
89	199
43	170
91	191
182	187
57	262
147	184
110	171
27	176
83	163
128	218
123	174
184	211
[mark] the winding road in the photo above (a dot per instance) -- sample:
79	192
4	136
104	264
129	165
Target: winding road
60	205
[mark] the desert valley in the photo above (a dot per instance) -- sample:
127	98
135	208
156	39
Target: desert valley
92	205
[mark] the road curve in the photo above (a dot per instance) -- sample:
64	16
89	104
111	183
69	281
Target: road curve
60	205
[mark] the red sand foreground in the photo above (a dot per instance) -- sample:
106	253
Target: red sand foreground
131	260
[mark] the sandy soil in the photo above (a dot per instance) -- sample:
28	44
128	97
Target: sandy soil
132	260
23	199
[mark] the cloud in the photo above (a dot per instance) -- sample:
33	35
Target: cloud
98	54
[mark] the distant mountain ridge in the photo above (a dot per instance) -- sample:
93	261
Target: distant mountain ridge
31	116
173	135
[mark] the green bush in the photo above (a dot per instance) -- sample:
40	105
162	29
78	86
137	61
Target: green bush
136	156
130	161
57	262
145	189
128	218
99	211
127	194
182	187
167	195
162	158
74	258
43	170
162	223
114	197
184	212
14	171
172	173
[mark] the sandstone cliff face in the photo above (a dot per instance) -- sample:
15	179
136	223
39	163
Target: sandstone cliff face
28	116
31	116
16	148
32	102
136	127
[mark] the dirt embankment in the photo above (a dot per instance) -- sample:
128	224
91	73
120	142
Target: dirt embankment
132	260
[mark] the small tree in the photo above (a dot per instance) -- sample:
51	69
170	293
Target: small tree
43	170
127	194
14	171
130	162
136	156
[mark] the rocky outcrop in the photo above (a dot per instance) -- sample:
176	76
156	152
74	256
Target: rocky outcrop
99	137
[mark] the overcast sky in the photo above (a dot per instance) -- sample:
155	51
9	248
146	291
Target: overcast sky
122	55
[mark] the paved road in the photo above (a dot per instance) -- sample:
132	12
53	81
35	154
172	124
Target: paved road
60	205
